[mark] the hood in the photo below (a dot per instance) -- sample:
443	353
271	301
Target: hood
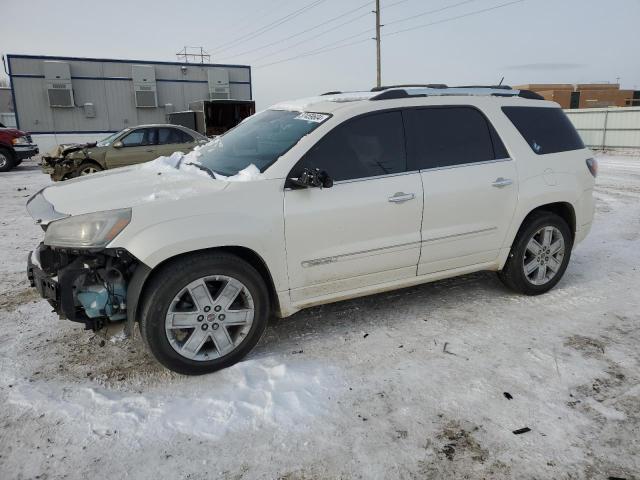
157	181
60	151
14	132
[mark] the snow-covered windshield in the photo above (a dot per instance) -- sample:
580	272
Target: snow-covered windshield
260	140
105	142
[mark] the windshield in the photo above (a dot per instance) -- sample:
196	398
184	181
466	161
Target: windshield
259	140
105	142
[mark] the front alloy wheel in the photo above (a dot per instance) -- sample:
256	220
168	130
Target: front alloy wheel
204	312
209	318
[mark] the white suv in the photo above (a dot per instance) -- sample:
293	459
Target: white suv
315	201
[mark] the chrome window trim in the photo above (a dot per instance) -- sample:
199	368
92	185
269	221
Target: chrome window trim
423	170
375	177
448	167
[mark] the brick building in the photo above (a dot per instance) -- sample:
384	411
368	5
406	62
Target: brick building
588	95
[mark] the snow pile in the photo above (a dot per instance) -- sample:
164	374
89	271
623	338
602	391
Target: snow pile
178	162
250	395
246	175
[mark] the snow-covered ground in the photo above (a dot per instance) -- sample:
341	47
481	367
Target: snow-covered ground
409	384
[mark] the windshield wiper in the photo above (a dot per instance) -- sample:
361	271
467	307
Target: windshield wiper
211	173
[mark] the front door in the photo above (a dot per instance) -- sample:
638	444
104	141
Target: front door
470	187
138	146
363	231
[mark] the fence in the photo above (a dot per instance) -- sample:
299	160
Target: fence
608	128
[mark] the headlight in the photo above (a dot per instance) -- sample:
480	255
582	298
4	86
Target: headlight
90	230
19	141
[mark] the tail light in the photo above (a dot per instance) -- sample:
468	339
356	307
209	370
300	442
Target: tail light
592	165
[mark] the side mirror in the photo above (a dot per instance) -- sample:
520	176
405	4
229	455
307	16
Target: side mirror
312	177
118	144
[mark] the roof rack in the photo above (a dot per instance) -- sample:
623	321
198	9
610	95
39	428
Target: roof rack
330	93
409	85
406	91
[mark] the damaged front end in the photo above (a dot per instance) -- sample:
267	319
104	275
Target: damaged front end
89	287
76	271
63	161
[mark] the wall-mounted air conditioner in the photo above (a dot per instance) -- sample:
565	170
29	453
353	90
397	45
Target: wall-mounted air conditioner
218	79
144	86
57	76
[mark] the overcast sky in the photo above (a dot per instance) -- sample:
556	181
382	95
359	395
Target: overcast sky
531	41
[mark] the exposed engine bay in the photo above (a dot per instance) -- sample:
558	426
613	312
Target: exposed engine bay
83	286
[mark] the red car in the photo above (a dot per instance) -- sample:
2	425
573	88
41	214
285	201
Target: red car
15	146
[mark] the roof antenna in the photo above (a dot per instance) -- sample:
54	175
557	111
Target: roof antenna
501	80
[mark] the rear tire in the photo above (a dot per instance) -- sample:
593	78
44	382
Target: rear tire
204	312
539	255
7	160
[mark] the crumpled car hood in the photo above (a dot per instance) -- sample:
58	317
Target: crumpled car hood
128	187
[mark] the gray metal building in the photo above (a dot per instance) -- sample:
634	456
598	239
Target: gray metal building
76	99
7	117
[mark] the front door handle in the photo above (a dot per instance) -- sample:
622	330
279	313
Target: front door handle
502	182
401	197
150	150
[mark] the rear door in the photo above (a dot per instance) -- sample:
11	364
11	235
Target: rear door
363	231
138	146
470	186
172	140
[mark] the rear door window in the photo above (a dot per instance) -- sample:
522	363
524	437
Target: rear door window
168	136
367	146
546	130
449	136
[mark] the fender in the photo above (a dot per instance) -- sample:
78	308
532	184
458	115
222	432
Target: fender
535	192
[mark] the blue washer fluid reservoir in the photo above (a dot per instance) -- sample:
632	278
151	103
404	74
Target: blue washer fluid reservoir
98	302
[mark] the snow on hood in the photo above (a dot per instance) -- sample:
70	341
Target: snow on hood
164	179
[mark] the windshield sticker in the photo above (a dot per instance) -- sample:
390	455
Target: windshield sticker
312	117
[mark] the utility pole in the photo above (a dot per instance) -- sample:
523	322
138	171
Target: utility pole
378	61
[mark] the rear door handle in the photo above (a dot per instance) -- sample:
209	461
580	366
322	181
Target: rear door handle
502	182
150	150
401	197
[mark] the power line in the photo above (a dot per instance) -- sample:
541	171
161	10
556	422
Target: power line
318	35
366	4
313	52
268	27
476	12
430	12
329	47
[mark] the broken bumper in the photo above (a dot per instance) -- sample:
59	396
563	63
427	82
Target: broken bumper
46	285
58	169
25	151
83	286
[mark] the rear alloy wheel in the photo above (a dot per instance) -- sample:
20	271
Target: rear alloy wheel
87	168
6	160
539	256
204	312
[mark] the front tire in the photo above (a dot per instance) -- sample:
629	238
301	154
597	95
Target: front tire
87	168
539	255
7	160
204	312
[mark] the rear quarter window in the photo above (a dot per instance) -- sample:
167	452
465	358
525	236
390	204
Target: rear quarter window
546	130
